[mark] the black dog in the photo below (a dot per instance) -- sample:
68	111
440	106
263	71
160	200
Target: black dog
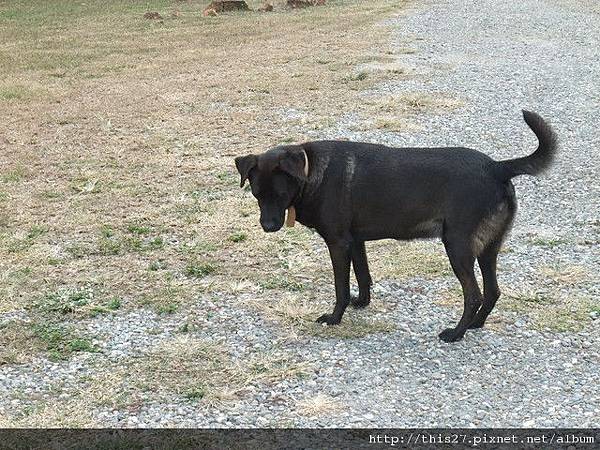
355	192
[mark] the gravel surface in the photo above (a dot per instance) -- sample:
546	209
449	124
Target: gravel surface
495	57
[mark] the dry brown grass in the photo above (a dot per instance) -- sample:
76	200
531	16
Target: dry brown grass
565	275
423	101
423	259
396	125
296	315
318	405
16	343
557	304
186	365
203	373
404	105
550	309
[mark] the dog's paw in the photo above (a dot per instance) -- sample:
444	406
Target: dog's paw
328	319
450	335
359	302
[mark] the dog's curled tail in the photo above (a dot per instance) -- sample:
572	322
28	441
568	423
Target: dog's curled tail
539	160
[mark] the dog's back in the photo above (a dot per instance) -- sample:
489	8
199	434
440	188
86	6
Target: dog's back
408	193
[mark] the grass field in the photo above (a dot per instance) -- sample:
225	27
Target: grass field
117	185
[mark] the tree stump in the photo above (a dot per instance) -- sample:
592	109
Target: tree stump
266	7
304	3
228	5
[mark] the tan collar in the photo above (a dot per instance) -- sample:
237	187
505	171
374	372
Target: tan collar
290	220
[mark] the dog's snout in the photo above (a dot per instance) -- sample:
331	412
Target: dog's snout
270	225
271	219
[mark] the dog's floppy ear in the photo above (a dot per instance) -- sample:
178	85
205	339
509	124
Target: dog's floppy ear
293	161
244	165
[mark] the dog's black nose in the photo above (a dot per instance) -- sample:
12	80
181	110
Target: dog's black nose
270	226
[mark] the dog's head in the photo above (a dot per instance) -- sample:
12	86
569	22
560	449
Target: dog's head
276	178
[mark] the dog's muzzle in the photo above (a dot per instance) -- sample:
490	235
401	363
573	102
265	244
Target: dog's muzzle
271	226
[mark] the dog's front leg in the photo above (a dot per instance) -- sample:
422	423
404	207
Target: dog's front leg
340	252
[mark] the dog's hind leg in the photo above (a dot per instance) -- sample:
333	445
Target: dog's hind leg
361	270
491	292
462	260
497	226
340	252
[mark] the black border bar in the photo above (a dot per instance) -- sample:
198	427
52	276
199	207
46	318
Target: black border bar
298	439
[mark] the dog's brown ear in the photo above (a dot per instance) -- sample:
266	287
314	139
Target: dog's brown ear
244	165
294	162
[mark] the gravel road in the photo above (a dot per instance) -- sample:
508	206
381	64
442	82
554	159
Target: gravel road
496	58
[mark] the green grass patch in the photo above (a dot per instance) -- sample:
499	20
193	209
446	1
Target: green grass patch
155	244
195	393
111	305
51	195
168	308
14	93
113	242
114	304
199	270
139	229
79	250
157	265
59	341
282	282
24	272
108	246
14	175
198	248
20	245
106	231
80	345
238	237
78	301
66	301
36	231
551	311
